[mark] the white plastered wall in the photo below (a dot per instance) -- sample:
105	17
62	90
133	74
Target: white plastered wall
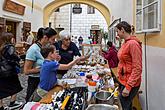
155	78
35	17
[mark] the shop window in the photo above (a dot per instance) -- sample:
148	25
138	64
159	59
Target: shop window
148	16
113	34
90	10
77	9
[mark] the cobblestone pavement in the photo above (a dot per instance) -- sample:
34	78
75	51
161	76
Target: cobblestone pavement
21	95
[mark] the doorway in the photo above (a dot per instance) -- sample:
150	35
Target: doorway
96	36
49	9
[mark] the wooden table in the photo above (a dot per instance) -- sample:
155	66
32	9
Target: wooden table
48	98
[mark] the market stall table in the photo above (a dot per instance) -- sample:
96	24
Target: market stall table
48	98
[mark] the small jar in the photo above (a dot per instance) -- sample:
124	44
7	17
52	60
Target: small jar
88	78
91	86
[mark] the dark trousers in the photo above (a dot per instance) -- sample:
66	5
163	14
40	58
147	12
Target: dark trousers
126	102
32	86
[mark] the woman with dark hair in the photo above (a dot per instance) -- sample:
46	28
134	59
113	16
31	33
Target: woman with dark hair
50	34
130	65
34	59
111	55
9	82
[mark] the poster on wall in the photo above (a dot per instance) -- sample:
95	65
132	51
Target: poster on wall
13	7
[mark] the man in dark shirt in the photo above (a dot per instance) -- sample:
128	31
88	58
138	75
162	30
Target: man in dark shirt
67	50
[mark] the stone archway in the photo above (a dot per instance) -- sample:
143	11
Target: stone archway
48	10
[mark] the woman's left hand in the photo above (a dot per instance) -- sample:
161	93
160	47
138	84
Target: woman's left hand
125	92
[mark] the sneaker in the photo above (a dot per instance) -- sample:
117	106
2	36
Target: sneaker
16	105
6	108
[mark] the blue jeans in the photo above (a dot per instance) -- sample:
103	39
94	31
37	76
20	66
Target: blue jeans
126	102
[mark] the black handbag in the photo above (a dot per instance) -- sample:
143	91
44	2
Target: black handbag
6	69
8	63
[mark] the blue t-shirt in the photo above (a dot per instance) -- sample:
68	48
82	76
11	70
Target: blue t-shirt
34	54
48	74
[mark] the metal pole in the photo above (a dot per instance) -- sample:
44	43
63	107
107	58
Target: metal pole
70	18
32	6
146	72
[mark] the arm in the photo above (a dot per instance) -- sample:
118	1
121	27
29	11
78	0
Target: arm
31	58
28	67
10	53
29	40
136	54
107	55
68	66
104	51
85	57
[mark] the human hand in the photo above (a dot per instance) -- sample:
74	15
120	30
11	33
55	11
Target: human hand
86	57
125	92
78	59
37	69
58	58
82	58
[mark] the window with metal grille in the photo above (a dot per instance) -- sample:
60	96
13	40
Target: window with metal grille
148	16
90	10
77	9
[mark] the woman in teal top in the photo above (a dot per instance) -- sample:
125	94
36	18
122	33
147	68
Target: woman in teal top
34	59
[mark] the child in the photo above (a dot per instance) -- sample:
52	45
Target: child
48	71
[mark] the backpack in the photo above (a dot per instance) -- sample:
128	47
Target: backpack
9	61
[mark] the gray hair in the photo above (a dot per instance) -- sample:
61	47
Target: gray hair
64	34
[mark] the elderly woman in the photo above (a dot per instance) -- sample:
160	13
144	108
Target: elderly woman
67	50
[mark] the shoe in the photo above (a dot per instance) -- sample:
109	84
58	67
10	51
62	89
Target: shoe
16	105
6	108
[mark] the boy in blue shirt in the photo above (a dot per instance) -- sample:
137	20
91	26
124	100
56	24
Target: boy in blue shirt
49	69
